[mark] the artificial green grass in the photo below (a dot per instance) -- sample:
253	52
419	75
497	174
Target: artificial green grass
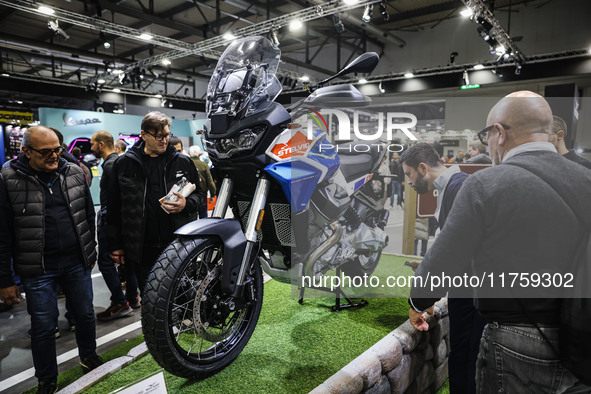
70	376
294	347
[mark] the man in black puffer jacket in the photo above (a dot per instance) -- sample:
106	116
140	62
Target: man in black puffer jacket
47	228
138	228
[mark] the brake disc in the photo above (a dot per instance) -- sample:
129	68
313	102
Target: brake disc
206	306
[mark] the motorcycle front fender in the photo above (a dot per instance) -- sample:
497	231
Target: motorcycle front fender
231	235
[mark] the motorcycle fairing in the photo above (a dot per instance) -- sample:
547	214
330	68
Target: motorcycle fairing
302	164
231	234
298	180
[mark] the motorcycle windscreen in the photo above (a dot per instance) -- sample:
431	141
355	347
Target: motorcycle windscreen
298	181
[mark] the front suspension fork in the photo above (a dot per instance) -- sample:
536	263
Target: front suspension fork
252	226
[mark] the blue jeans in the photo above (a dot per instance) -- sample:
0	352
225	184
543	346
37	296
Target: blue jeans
41	293
396	191
515	359
107	267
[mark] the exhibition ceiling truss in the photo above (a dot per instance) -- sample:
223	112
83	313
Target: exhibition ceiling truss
146	47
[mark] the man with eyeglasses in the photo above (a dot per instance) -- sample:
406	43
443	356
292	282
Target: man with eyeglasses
527	214
47	228
426	173
137	226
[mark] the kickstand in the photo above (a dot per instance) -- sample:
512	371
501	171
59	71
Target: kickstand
339	293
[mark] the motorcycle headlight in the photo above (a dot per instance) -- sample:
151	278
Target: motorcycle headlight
246	140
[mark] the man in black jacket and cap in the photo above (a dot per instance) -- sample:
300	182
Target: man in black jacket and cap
138	226
47	228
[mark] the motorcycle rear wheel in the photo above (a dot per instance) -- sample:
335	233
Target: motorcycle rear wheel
186	327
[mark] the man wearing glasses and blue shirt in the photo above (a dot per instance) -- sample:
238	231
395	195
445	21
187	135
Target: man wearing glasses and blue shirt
138	228
47	228
527	214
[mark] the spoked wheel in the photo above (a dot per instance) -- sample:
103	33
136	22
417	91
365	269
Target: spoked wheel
191	327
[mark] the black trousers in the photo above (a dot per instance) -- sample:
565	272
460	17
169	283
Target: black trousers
143	268
465	330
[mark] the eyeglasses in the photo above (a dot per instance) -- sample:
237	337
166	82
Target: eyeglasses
160	137
48	152
483	134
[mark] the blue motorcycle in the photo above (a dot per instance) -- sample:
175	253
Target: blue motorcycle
301	208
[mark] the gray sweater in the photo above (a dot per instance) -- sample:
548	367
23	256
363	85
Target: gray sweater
505	220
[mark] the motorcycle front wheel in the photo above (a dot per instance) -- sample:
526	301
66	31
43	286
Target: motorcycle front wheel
190	326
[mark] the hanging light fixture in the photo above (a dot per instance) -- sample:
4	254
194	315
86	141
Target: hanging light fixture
367	13
384	11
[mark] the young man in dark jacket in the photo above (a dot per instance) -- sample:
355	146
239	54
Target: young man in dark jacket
426	173
138	228
103	146
47	228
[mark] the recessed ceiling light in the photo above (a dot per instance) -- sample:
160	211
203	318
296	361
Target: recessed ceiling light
146	36
295	25
46	10
409	75
19	102
478	67
466	13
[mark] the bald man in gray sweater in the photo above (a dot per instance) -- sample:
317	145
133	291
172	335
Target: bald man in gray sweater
528	213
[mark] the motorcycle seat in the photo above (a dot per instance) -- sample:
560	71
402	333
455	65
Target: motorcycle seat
355	166
355	163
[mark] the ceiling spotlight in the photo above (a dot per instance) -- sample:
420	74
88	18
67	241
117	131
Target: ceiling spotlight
145	36
484	23
350	2
518	69
338	25
101	81
408	75
381	87
19	102
305	78
452	57
275	38
367	13
103	38
580	150
295	25
466	13
46	10
483	33
384	11
466	78
158	95
229	36
166	62
499	49
116	90
362	80
479	67
54	26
